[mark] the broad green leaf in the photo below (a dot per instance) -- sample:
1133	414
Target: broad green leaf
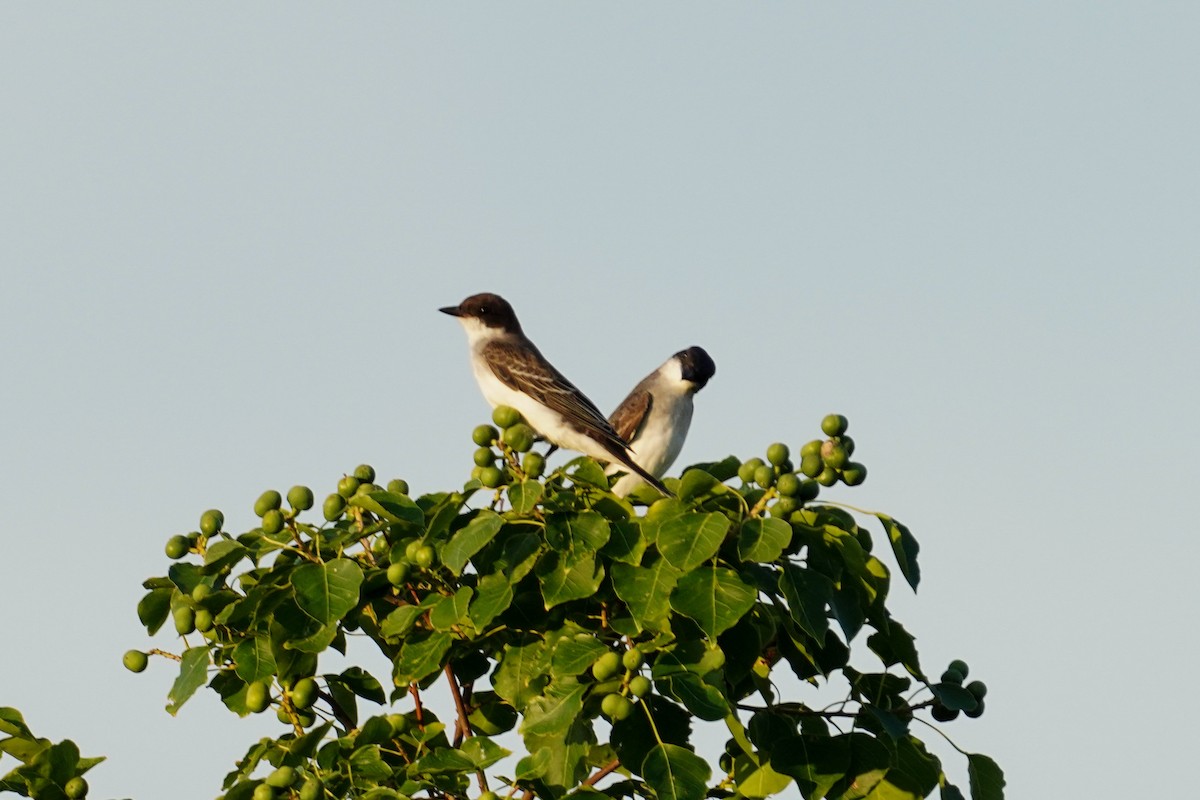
757	780
253	659
450	611
495	595
807	593
953	697
561	758
574	654
646	591
316	641
367	767
722	470
524	496
361	682
816	762
695	483
914	770
553	713
326	592
577	532
676	773
13	723
193	673
154	608
905	546
399	621
659	514
585	471
521	674
222	553
762	539
567	576
483	752
715	597
420	656
445	759
676	681
690	540
948	791
987	779
896	646
390	506
470	540
626	543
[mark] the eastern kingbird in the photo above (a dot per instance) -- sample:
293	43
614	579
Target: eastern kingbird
655	417
511	371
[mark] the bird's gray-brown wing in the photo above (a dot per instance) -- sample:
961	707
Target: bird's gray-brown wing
525	370
629	417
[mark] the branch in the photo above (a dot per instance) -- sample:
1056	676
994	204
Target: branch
599	774
462	728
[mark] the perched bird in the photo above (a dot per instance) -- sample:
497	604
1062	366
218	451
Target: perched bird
655	417
511	371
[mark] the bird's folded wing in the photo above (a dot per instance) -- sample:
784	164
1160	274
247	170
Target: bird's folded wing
526	371
627	420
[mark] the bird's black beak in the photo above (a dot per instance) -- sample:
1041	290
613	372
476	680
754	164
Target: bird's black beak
453	311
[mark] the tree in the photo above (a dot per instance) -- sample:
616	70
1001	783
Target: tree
548	606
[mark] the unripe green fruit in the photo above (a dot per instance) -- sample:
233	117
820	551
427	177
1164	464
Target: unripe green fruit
616	707
853	473
204	620
489	795
952	676
304	693
943	714
185	620
764	476
837	457
977	688
606	666
639	686
257	697
977	711
312	789
812	448
828	477
747	469
505	416
476	473
848	444
365	473
282	778
788	485
491	477
135	660
211	522
300	498
410	550
631	660
811	465
263	792
177	546
784	507
425	556
484	435
398	486
348	485
75	788
519	437
834	425
266	501
777	453
960	666
397	573
400	723
534	465
365	488
484	457
272	522
808	491
380	545
335	504
201	591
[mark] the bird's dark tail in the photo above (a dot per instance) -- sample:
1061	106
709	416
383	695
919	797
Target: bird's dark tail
621	459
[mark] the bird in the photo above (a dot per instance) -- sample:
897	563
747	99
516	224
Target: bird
511	371
655	417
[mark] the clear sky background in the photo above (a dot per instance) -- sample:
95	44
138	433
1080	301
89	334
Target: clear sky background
971	228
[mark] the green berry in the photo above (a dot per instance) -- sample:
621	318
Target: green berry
977	688
491	477
631	660
365	488
959	666
828	477
263	791
484	435
485	457
425	556
304	693
784	507
811	465
519	437
748	468
808	491
258	697
185	620
365	473
135	660
203	620
777	453
616	707
848	443
300	498
505	416
348	485
211	522
811	448
272	522
943	714
788	485
335	504
764	476
201	591
75	788
834	455
534	465
266	501
639	686
398	486
834	425
853	473
312	789
177	546
397	573
410	550
606	665
282	778
489	795
976	711
953	676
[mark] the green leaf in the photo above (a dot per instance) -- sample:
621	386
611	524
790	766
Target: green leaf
646	591
757	780
470	540
987	779
949	791
954	697
12	723
521	674
896	646
445	759
905	546
316	641
193	673
222	553
154	608
450	611
566	576
690	540
695	483
574	654
675	773
625	543
367	766
763	539
253	659
676	680
326	592
483	752
495	595
399	621
585	531
816	762
553	713
361	682
390	506
914	769
420	656
715	597
807	593
524	496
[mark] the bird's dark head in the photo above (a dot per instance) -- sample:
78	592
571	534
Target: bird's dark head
696	365
488	310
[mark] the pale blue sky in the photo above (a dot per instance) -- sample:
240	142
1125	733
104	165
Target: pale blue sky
971	229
